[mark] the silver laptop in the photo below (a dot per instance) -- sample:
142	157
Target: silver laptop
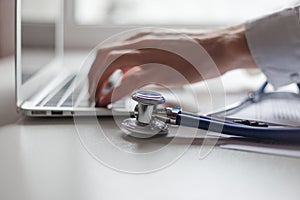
49	77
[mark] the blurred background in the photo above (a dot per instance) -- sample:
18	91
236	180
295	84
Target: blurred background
50	27
6	27
165	12
112	13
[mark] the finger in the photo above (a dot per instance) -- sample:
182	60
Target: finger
103	68
121	61
145	56
137	77
103	57
103	54
129	83
138	35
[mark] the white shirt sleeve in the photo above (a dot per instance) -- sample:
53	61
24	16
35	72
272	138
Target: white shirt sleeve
274	42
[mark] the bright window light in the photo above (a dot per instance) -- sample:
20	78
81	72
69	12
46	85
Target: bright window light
173	12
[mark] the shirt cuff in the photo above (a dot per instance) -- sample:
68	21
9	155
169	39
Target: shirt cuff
274	43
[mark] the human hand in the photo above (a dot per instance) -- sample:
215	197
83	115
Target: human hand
166	58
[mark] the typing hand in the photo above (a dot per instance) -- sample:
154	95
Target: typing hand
164	58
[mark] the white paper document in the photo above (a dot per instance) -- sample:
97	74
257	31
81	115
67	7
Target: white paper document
281	149
281	110
284	110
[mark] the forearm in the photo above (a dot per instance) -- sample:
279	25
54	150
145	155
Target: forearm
228	48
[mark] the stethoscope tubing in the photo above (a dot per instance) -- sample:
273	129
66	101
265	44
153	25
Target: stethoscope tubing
235	129
218	122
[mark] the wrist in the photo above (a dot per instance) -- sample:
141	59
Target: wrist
228	48
238	52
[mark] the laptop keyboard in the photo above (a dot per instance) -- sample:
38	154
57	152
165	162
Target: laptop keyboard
69	101
59	99
56	98
68	96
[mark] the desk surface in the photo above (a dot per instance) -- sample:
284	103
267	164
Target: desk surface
45	159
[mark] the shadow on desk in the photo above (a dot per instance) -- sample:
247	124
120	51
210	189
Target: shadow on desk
232	143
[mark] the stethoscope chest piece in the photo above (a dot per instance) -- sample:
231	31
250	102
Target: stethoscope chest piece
145	131
144	125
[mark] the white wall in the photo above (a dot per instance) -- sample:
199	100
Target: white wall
40	10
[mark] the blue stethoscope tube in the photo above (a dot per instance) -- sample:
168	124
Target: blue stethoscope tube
214	122
229	127
235	129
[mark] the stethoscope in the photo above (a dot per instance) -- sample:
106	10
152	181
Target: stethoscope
149	120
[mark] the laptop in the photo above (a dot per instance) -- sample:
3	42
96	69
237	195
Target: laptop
54	53
50	80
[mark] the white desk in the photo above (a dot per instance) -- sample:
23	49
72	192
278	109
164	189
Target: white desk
44	159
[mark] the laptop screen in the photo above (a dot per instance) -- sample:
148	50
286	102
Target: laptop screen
38	29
